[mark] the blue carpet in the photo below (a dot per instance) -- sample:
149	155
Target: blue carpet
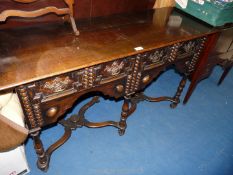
195	139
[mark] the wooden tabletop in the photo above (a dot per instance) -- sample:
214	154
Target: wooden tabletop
33	53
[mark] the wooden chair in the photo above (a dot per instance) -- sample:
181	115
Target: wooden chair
164	3
224	52
226	65
12	130
40	12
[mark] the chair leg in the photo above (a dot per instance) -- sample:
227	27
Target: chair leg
74	27
225	73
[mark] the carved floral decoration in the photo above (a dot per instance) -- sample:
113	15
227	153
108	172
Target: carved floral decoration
115	68
58	84
157	56
189	47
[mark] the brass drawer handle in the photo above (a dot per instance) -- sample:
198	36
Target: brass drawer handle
51	112
146	79
120	88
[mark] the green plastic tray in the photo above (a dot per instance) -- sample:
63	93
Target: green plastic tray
214	12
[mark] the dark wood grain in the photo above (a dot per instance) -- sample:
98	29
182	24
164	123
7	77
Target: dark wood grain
201	66
33	53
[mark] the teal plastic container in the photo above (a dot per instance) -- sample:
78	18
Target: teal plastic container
213	12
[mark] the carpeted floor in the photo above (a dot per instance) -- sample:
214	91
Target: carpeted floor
195	139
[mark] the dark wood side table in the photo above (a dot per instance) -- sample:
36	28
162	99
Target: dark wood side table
116	56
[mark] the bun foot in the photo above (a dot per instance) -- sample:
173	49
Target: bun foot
173	105
121	132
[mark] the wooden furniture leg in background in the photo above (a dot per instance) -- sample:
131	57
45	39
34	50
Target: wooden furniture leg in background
130	103
70	4
164	3
225	73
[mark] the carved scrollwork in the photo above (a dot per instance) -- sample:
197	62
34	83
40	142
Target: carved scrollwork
115	68
157	56
189	47
198	50
58	84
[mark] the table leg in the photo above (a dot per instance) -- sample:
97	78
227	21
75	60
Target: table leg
124	115
129	106
44	156
178	92
42	161
138	97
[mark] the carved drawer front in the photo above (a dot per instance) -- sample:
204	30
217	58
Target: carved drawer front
157	57
188	48
115	70
66	84
191	63
42	99
55	85
33	95
148	61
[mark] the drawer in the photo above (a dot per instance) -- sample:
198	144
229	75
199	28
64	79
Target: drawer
157	57
81	80
188	48
52	109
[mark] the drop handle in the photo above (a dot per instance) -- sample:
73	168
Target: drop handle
146	79
120	88
52	112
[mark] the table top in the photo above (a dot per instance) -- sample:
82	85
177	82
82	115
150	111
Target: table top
32	53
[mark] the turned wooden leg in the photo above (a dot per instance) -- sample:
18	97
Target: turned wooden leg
225	73
124	115
178	92
42	161
74	27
